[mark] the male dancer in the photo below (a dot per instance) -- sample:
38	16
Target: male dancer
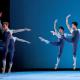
75	38
9	41
59	43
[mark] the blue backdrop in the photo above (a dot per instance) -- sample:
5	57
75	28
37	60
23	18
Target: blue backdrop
39	16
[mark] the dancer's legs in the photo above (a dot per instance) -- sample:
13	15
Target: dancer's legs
11	53
5	51
59	56
11	60
74	55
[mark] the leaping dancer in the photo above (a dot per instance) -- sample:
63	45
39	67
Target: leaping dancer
59	42
9	41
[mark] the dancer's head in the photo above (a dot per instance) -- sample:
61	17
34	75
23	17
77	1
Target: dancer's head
5	26
74	25
61	29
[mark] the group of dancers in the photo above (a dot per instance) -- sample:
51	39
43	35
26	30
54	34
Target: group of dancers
9	41
73	38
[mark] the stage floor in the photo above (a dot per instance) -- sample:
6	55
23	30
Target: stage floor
42	75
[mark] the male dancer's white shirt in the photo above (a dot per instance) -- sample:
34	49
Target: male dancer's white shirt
59	35
11	32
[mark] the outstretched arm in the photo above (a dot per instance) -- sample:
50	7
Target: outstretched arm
22	40
68	26
21	30
67	35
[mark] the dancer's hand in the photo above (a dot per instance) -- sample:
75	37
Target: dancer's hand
27	29
52	32
68	16
56	20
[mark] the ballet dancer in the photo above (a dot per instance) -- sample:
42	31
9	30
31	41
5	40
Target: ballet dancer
74	39
9	41
59	42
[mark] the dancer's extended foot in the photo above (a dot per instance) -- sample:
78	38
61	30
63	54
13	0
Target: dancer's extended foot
4	66
44	40
3	70
10	67
74	66
56	66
